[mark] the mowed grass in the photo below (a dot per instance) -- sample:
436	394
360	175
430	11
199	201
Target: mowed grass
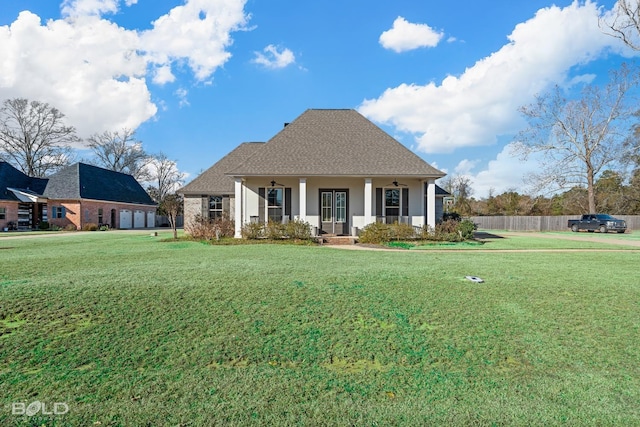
129	330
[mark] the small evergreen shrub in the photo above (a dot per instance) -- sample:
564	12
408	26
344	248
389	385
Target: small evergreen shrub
44	225
466	229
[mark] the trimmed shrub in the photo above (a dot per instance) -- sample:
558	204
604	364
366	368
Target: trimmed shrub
70	227
252	231
44	225
376	233
90	226
274	230
298	229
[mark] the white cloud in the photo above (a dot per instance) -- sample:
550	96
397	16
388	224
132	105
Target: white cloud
506	172
97	72
182	93
405	36
274	58
481	104
75	8
198	32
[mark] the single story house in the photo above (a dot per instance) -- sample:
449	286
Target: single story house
334	169
79	194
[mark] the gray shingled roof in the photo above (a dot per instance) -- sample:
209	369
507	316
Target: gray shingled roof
13	178
83	181
336	143
214	180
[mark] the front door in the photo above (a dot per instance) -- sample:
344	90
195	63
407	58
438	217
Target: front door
334	211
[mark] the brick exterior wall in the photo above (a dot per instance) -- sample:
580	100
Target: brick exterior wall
81	213
194	206
11	213
199	205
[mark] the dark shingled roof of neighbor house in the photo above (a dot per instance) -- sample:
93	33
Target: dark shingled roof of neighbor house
214	180
335	143
83	181
11	177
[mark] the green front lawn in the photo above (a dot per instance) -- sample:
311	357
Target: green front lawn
129	330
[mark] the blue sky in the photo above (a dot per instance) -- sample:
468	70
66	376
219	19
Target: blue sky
195	78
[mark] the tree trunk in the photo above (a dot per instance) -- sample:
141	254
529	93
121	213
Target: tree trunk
591	190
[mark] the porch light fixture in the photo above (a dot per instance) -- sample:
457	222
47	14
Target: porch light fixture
273	184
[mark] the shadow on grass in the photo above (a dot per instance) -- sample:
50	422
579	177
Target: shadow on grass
485	235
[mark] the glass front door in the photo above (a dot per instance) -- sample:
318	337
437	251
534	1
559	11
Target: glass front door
334	211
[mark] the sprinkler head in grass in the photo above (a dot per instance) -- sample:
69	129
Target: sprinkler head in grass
474	279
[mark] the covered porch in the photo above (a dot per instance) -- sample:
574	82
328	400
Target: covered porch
335	205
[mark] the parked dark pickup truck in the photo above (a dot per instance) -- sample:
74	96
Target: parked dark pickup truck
601	222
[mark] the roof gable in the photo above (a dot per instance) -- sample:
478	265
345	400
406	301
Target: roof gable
334	142
214	180
83	181
11	177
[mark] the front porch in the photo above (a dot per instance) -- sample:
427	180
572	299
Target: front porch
335	206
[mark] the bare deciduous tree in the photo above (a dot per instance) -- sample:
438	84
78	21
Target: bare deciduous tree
579	138
171	206
459	186
34	138
624	22
120	151
165	178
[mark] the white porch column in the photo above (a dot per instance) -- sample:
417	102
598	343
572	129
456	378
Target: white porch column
431	203
368	197
238	213
303	199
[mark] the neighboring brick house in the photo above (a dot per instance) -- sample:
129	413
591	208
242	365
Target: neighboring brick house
79	194
334	169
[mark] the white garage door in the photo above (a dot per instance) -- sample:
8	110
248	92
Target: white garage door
138	219
125	218
151	219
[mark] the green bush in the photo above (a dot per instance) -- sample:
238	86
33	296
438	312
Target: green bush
44	225
450	231
104	228
466	229
375	233
90	226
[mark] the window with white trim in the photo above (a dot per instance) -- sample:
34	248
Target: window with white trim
3	213
392	202
275	204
